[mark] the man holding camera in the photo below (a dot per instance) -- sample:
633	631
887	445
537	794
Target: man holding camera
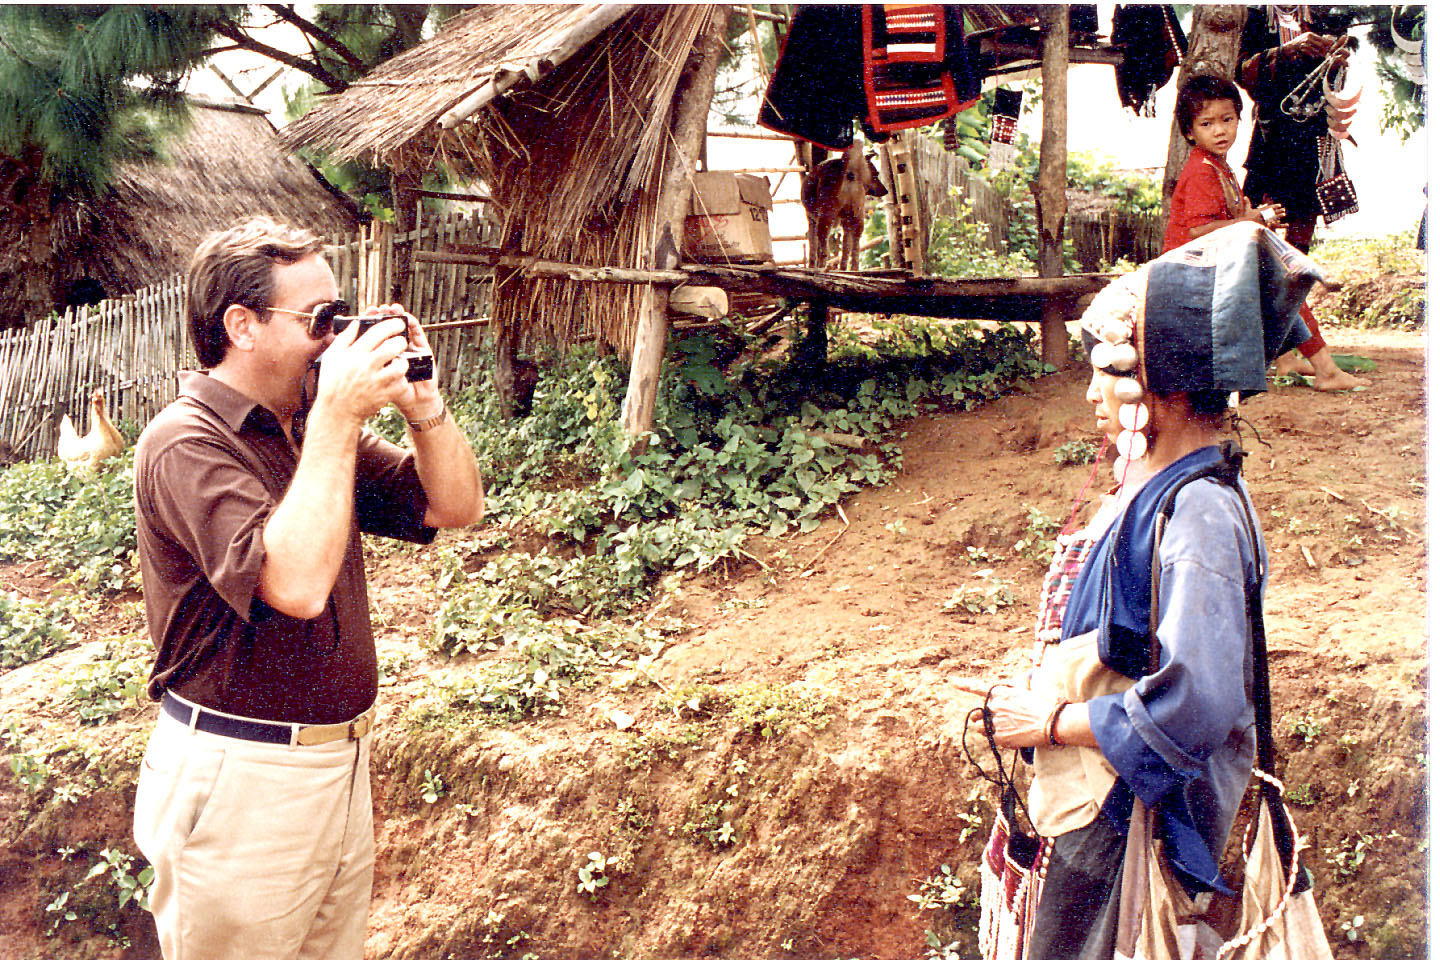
251	492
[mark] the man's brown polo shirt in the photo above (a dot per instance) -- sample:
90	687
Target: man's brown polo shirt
208	471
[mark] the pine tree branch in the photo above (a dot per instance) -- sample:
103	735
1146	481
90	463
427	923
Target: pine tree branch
231	32
284	12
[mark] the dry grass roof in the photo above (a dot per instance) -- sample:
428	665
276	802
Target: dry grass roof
402	99
226	166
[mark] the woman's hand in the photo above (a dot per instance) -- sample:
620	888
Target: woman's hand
1311	46
1019	714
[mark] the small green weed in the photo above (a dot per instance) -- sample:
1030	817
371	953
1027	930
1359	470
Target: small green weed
1076	453
706	821
1037	542
942	890
639	750
1306	728
433	788
766	709
592	874
989	595
1351	928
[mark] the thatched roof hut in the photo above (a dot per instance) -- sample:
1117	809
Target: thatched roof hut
226	166
564	113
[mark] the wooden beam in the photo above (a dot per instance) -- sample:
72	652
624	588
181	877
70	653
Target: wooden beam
795	283
1049	184
1100	53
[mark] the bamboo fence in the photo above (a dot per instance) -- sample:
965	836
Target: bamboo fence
132	348
1102	238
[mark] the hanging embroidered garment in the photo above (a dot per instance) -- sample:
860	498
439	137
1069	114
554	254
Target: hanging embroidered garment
892	66
917	69
1154	44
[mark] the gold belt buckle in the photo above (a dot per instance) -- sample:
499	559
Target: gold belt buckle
361	725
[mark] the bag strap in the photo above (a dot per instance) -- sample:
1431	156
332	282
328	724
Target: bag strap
1228	472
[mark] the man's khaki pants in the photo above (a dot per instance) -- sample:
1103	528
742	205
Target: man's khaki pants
260	851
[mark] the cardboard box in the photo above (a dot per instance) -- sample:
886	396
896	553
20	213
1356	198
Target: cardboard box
729	219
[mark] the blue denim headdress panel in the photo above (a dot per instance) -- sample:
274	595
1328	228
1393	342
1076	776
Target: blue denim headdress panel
1218	310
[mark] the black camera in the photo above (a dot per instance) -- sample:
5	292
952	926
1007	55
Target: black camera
418	366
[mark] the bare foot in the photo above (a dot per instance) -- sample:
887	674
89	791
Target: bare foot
1337	380
1292	362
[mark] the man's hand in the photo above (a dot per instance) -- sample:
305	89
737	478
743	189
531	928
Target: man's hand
361	373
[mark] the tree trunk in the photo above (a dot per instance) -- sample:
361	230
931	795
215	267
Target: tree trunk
1215	32
1049	185
27	229
687	127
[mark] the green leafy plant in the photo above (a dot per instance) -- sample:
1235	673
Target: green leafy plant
592	874
989	595
1076	453
1038	540
81	528
1306	728
112	883
31	631
942	890
107	684
433	788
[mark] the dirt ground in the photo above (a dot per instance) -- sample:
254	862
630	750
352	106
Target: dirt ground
837	817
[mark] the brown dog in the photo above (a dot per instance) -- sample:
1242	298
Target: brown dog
834	192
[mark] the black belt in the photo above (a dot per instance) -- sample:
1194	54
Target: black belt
265	731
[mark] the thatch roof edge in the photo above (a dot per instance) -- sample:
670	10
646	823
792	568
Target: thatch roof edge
547	55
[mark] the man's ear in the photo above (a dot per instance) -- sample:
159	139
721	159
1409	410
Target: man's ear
240	323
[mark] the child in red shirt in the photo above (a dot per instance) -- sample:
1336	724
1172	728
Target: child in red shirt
1207	197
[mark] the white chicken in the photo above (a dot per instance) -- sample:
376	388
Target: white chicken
84	454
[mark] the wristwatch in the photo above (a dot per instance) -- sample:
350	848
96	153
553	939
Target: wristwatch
420	426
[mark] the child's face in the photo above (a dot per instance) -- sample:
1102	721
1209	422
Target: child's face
1214	127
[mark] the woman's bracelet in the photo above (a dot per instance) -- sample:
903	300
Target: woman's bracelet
1053	723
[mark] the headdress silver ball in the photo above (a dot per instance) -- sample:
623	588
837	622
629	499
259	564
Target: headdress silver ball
1128	390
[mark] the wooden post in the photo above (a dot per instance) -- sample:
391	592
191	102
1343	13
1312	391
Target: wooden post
1049	186
403	187
687	129
506	333
1214	48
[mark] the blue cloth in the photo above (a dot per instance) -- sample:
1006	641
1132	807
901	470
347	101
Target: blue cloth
1201	301
1182	738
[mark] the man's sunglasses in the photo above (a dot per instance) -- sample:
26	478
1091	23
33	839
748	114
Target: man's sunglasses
331	318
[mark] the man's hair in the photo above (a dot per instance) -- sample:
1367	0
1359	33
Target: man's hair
1198	91
235	267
